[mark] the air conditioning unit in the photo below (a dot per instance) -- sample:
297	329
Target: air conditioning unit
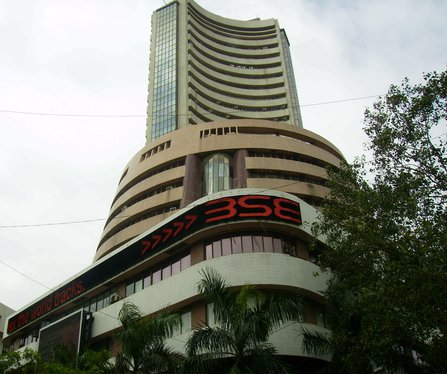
114	297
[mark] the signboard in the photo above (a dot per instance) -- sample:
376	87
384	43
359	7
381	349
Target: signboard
222	210
66	332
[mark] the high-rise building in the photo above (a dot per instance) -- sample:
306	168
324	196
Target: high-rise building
228	179
207	68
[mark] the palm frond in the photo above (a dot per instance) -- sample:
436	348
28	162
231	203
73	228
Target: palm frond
263	359
161	358
282	307
316	343
210	339
215	290
129	313
162	325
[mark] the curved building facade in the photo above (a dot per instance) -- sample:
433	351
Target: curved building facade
184	165
228	179
206	68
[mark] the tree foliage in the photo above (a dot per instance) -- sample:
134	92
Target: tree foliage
143	341
238	343
385	224
17	362
65	361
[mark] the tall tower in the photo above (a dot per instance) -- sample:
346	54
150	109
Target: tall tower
206	68
228	179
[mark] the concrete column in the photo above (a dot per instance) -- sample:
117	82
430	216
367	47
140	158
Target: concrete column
192	183
240	173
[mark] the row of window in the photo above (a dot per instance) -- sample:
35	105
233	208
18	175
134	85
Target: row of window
238	108
276	174
164	111
264	86
101	301
167	166
231	72
140	217
286	156
255	56
249	244
164	100
234	31
165	47
158	273
226	62
148	194
203	115
247	95
155	150
218	131
167	14
232	45
169	28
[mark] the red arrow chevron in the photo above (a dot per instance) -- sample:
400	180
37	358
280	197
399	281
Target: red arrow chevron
179	226
157	239
147	246
191	219
168	234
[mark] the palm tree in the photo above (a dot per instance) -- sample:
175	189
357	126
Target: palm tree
238	343
143	341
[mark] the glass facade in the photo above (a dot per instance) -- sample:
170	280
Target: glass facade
101	301
216	173
158	273
164	112
291	79
249	244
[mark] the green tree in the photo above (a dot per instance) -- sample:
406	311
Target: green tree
23	362
238	343
96	362
66	361
385	226
143	341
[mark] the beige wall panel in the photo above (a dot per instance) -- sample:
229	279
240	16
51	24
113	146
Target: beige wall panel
285	165
161	178
259	81
290	186
236	100
206	31
256	53
240	60
233	68
238	112
253	25
239	91
161	199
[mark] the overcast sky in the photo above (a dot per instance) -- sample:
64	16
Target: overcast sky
90	57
